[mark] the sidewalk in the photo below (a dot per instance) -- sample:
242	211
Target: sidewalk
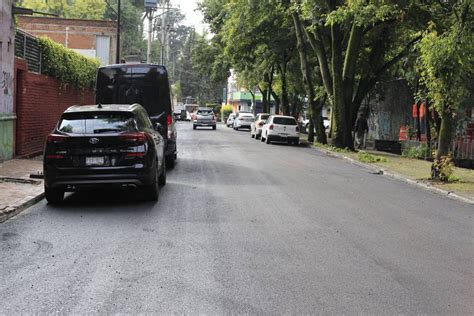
412	171
17	190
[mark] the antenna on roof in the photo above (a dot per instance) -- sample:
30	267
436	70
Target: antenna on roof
99	106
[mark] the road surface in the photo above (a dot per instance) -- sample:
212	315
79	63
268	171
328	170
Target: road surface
244	227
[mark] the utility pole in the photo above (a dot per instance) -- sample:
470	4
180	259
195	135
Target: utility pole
163	34
150	34
117	54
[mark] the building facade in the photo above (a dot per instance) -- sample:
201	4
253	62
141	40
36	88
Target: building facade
7	51
90	38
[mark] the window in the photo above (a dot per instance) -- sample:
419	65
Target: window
97	123
284	121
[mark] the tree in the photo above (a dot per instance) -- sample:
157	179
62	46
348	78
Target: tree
446	66
356	42
76	9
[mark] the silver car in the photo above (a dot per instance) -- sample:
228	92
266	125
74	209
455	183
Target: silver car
204	117
256	127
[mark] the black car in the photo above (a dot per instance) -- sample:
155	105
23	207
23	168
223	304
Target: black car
147	85
106	146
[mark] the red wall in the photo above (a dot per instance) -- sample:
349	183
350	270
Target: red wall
40	100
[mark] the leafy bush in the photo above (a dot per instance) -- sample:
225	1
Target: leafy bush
421	151
226	110
66	65
442	169
369	158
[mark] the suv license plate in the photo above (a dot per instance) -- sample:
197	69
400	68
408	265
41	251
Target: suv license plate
95	161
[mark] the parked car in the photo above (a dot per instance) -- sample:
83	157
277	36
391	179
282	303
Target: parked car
104	146
281	128
256	127
230	120
243	120
204	117
326	123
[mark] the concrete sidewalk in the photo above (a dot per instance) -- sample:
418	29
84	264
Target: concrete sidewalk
17	190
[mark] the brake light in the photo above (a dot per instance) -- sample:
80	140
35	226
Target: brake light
270	127
139	154
169	120
260	123
56	138
55	156
213	117
139	137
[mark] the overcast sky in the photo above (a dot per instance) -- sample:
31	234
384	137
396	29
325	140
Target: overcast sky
193	18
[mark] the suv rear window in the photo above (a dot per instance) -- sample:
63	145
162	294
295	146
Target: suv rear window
205	112
97	123
264	117
284	121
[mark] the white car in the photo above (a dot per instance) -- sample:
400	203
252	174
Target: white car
230	120
243	120
256	127
281	128
326	123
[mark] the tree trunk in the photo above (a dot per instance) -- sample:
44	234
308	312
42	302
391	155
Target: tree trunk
284	90
445	133
315	109
428	128
254	109
342	136
264	93
277	102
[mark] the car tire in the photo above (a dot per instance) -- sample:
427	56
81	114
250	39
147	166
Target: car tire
252	135
54	196
194	126
152	192
296	142
267	140
236	128
214	127
162	178
170	161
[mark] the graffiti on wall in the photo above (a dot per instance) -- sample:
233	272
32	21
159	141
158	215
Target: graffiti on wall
380	125
6	86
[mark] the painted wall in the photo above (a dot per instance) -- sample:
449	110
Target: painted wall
390	110
7	46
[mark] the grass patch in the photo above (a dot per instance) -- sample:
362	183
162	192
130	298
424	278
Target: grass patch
332	148
369	158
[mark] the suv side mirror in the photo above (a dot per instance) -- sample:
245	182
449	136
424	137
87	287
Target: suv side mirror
158	127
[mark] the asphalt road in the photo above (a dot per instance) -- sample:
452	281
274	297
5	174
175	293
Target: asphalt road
244	227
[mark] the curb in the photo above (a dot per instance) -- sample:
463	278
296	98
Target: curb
397	176
14	210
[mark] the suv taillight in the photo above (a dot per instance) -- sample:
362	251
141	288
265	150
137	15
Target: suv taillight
260	123
169	120
138	137
56	138
270	127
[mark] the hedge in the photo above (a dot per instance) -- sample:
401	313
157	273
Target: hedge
66	65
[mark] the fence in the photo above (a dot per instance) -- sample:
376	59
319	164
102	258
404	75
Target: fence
28	48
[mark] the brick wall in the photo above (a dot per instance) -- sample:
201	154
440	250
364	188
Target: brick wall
40	100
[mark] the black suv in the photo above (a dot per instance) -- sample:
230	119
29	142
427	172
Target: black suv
107	146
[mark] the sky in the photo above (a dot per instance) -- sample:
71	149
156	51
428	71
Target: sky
193	18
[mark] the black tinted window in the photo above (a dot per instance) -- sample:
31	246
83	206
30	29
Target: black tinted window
284	121
145	85
97	123
205	112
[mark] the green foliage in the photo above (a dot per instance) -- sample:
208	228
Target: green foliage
73	9
66	65
369	158
443	169
226	110
419	152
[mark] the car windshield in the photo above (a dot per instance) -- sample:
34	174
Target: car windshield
264	116
284	121
97	123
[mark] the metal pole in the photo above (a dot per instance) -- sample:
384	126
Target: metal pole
117	53
162	50
150	32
